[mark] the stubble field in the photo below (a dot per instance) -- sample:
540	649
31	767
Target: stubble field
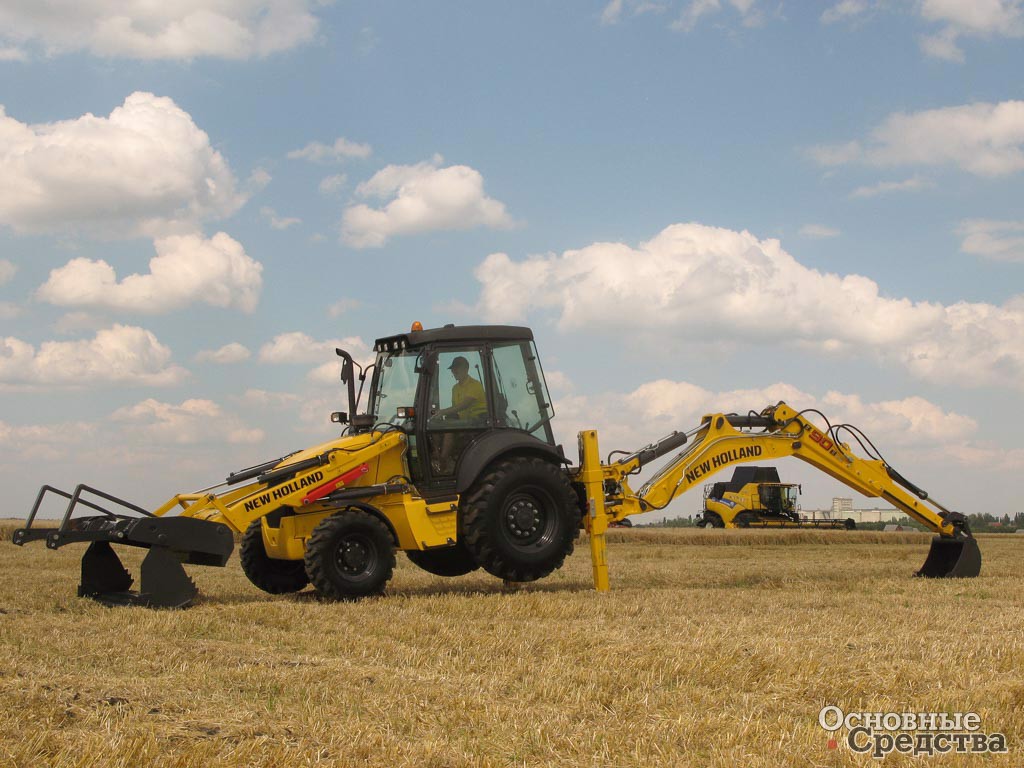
714	648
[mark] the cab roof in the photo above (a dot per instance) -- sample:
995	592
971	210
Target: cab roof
453	334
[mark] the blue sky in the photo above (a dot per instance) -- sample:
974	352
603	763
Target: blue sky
702	205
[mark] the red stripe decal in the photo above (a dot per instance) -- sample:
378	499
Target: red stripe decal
332	485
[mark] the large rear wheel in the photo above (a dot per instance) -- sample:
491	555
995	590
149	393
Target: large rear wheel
520	519
350	555
278	577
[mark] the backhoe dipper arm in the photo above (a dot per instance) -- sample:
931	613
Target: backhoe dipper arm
723	441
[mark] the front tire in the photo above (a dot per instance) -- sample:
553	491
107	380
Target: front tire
450	561
278	577
350	555
520	519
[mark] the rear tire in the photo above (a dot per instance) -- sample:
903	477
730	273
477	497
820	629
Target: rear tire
450	561
520	519
712	520
350	555
850	524
278	577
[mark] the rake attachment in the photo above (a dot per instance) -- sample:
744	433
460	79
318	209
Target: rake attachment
171	541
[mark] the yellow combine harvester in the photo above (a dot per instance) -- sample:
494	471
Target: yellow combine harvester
755	497
453	462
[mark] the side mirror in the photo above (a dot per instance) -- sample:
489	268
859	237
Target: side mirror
339	417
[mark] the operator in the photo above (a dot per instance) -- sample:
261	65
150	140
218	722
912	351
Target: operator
468	399
469	405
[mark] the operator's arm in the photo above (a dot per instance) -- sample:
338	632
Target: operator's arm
471	396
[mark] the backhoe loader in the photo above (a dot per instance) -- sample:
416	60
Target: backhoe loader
756	498
455	463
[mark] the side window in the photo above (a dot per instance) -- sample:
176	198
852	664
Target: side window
521	399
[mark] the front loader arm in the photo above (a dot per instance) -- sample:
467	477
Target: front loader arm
298	482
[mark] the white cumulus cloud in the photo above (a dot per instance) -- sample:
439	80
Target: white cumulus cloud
145	169
341	149
613	11
261	398
229	353
818	231
122	354
332	184
187	269
885	187
44	442
996	240
984	139
190	422
421	198
696	10
973	18
718	284
183	29
276	221
298	347
843	11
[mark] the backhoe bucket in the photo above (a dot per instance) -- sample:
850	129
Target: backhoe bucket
951	558
171	541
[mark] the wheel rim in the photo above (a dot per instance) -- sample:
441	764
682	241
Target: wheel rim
528	519
355	557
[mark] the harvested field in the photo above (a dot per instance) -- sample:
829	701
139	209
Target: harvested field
715	648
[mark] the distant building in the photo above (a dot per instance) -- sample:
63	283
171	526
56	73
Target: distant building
841	505
875	515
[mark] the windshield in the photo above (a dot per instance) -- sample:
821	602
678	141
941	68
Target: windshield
396	379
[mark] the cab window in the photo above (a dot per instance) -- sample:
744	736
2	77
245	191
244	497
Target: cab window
521	397
457	408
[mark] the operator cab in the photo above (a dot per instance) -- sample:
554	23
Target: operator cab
452	388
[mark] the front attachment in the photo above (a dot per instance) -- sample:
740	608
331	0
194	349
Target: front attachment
164	582
171	541
952	558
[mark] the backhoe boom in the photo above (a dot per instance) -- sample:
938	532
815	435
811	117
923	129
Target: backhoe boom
725	440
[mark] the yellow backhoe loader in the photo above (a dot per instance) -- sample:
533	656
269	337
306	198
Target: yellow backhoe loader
756	498
453	462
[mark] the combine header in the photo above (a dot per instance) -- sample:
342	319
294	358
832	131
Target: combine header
455	463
